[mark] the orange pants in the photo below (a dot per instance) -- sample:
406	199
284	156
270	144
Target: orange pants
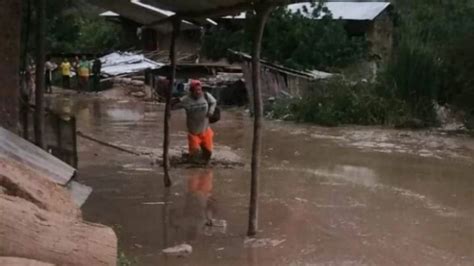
201	182
198	141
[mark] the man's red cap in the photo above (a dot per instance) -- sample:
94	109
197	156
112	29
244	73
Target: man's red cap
194	84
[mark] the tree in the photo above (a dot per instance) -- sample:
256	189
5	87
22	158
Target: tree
292	39
431	57
75	26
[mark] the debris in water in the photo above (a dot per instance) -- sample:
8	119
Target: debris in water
301	200
154	203
218	223
215	226
263	242
179	250
219	249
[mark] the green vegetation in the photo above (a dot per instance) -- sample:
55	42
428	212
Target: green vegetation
123	260
72	27
432	62
433	56
336	101
292	40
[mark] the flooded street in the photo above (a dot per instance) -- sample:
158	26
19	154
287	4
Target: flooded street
329	196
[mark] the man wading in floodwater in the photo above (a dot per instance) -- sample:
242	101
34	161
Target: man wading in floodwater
199	107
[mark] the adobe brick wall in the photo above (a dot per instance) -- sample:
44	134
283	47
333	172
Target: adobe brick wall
10	21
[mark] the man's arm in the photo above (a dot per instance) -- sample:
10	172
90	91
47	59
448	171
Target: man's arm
178	103
212	103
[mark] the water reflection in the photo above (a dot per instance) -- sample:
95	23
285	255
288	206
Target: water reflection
124	114
198	210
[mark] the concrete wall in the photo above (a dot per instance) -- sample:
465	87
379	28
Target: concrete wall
10	19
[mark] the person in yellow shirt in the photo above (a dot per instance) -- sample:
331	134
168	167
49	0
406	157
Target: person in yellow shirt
84	73
66	73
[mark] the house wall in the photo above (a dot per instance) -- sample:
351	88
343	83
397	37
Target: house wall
10	14
274	83
380	35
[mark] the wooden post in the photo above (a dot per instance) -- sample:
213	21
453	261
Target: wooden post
10	19
40	58
172	77
25	99
262	11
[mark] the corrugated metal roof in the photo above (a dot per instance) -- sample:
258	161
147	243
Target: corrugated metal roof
79	192
109	14
185	6
139	12
339	10
16	148
347	10
314	74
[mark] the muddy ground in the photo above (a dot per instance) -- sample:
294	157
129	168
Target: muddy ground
329	196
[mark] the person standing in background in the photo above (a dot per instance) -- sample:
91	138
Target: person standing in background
66	73
75	69
49	67
96	68
84	70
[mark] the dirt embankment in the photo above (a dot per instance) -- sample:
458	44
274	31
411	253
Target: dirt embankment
41	222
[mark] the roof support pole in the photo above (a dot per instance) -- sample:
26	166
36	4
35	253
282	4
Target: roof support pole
262	11
40	82
172	77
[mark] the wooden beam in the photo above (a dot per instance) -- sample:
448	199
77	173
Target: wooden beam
172	77
263	12
40	81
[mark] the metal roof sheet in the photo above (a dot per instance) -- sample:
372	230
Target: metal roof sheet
16	148
347	10
139	12
186	6
339	10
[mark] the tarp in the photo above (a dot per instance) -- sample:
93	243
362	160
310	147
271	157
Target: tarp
123	63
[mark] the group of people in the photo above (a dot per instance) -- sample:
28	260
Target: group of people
83	70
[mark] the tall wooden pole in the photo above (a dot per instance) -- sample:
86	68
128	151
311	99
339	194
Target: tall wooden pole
262	11
40	58
172	77
25	99
10	19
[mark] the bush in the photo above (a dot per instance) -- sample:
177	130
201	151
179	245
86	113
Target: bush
432	59
336	101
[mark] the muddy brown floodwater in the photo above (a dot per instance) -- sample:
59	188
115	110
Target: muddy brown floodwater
329	196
